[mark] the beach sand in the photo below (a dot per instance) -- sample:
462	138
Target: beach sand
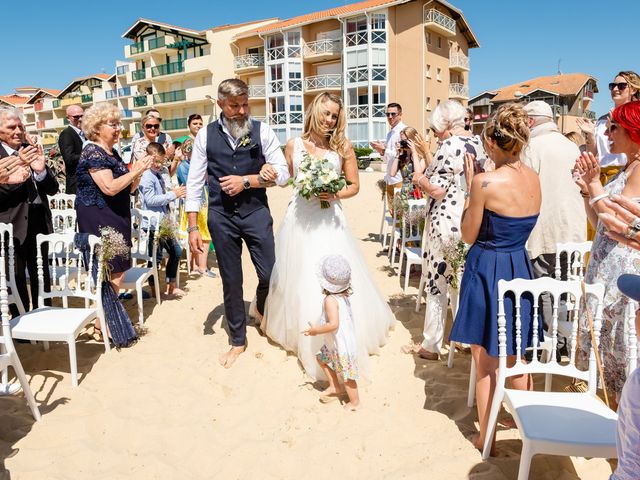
165	408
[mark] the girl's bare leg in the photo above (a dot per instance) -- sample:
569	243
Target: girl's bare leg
334	384
354	398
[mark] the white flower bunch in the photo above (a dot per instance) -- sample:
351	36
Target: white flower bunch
316	176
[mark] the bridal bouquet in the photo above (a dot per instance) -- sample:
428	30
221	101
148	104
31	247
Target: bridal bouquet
316	176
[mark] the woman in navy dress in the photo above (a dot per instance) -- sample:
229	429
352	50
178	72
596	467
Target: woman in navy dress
500	211
105	184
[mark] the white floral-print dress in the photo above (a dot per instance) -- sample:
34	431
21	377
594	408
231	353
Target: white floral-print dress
340	350
608	260
444	216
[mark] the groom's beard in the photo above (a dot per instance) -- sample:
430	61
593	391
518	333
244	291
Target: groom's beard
238	128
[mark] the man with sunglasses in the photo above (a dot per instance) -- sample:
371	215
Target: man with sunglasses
388	150
70	142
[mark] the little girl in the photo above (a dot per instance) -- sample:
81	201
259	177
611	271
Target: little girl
338	355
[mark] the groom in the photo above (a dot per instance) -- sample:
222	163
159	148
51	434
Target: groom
229	154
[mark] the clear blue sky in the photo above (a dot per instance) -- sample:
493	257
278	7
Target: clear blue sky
519	39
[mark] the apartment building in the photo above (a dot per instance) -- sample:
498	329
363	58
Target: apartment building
569	94
176	70
414	52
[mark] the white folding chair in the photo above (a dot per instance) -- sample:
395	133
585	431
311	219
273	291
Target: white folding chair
557	423
411	233
138	274
8	355
63	220
62	201
632	346
576	259
63	324
389	222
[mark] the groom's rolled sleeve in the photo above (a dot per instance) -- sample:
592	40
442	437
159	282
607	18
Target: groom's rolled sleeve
273	154
197	172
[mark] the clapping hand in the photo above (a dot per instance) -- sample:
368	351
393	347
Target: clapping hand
619	225
586	170
32	155
143	164
11	169
587	126
311	331
470	169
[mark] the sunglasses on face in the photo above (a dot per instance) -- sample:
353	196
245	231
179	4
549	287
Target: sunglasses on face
149	127
391	114
76	117
621	86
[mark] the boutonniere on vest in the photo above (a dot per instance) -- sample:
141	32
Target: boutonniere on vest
245	141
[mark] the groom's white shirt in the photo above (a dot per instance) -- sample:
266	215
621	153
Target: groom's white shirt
198	164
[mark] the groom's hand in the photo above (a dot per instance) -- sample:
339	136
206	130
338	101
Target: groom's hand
195	242
231	185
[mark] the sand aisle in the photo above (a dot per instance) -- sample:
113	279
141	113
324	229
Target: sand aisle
165	409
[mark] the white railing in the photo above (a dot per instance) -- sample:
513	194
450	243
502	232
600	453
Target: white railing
323	47
248	61
276	86
257	91
278	118
357	111
356	38
458	90
275	53
358	75
458	60
379	110
444	21
321	82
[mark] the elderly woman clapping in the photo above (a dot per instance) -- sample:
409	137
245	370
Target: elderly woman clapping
105	183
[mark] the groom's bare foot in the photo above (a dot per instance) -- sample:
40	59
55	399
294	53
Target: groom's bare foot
229	358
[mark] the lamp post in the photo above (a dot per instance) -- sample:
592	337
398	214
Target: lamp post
213	107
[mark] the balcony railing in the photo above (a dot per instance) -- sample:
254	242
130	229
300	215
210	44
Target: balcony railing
253	60
590	114
109	94
276	86
87	98
56	104
275	53
175	124
356	38
167	97
440	22
278	119
257	91
323	82
136	48
357	111
124	92
323	47
458	90
140	101
157	42
126	113
167	69
459	61
122	70
139	74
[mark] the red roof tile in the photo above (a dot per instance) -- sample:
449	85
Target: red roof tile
563	84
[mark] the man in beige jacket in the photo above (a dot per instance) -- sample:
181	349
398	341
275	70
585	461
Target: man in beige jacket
562	215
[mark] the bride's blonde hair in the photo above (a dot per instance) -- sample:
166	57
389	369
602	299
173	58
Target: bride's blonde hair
312	123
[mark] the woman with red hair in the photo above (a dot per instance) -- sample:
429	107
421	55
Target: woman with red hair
610	259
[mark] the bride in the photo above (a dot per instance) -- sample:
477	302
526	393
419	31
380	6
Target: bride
307	234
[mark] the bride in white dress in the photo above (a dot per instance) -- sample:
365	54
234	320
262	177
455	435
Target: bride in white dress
307	234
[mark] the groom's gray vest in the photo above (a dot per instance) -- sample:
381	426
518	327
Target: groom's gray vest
223	160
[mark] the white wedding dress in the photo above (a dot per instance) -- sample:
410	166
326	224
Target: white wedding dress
308	233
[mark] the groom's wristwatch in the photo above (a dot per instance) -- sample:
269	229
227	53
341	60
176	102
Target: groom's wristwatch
246	183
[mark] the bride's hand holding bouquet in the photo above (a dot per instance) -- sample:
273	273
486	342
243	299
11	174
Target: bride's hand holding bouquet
318	178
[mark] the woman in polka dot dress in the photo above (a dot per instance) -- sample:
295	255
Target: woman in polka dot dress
443	182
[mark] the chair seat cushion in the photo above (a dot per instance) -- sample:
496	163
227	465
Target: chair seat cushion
51	323
564	418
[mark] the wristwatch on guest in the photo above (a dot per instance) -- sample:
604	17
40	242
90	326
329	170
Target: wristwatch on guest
246	183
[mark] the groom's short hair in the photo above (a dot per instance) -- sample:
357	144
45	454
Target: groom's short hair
232	87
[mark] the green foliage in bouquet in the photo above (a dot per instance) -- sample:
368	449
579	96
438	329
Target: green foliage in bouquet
455	254
166	229
382	186
113	245
316	176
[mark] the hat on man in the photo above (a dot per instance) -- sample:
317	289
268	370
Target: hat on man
538	108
